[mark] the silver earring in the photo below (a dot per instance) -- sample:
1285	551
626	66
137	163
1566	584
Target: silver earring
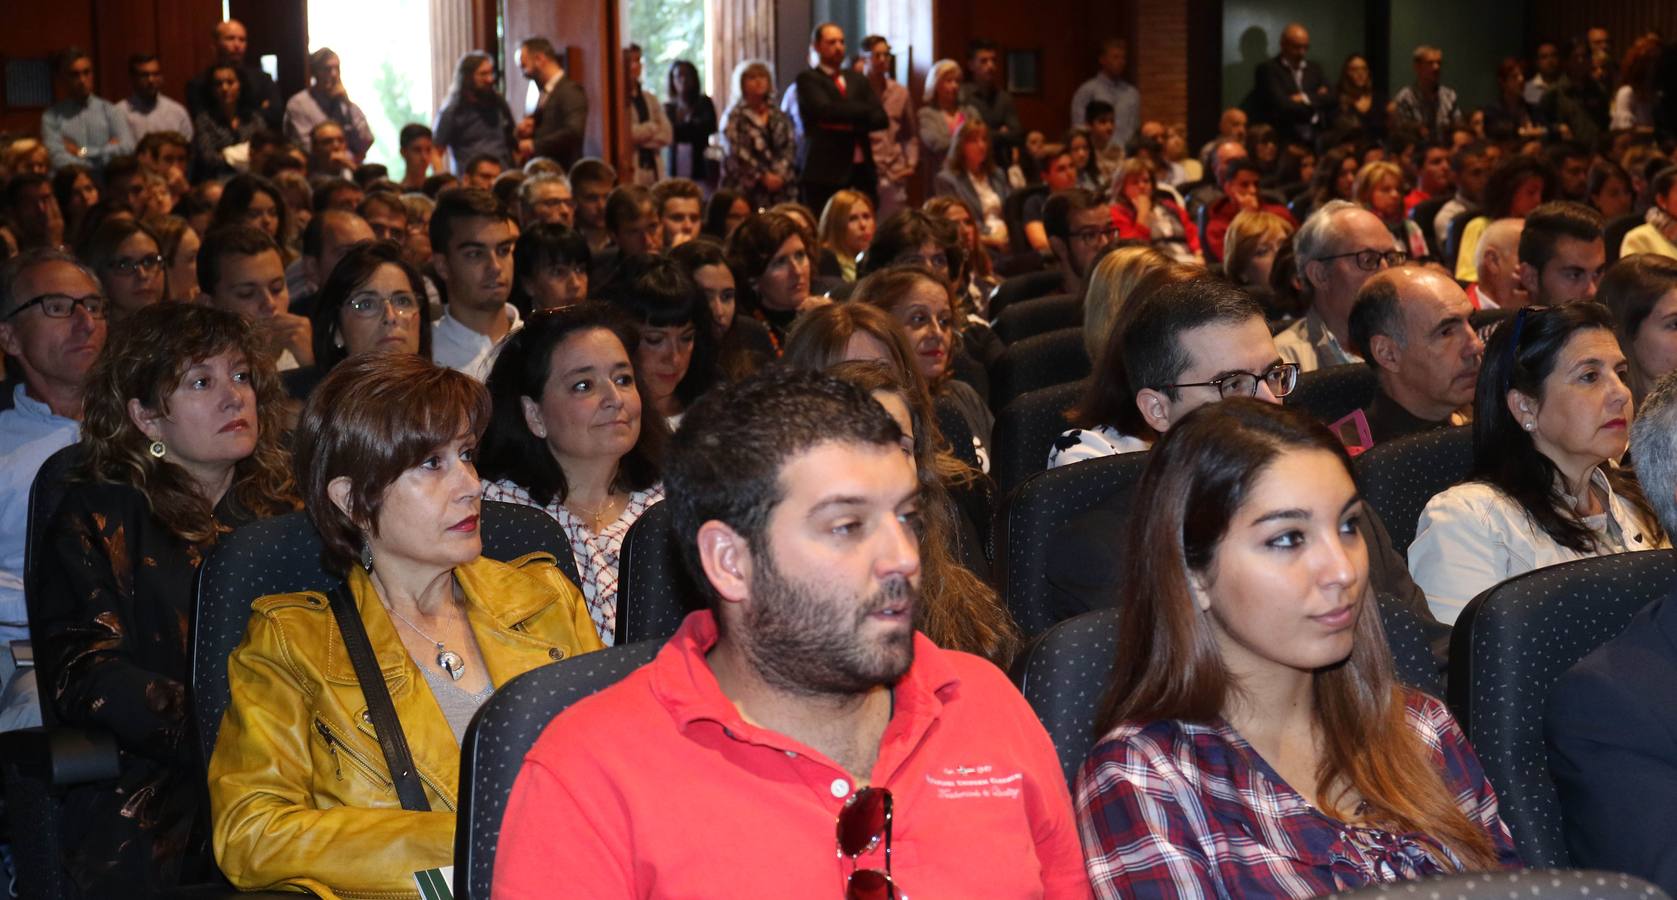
157	449
366	555
1530	425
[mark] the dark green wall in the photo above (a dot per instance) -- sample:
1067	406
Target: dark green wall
1252	34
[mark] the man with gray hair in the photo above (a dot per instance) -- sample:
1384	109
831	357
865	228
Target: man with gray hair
1498	260
52	326
1428	105
1338	248
546	198
326	100
1410	324
1611	725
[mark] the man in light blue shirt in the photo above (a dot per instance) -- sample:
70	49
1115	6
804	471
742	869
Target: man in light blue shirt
1109	85
326	100
52	326
83	129
148	110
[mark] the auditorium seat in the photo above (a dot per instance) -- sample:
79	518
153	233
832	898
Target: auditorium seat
1334	392
1025	431
1398	477
1039	316
654	591
1538	884
1509	647
1037	362
1029	286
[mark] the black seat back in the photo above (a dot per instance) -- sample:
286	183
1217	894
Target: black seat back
1331	393
1013	213
1614	235
1423	215
654	591
1453	248
1028	286
282	555
1509	647
46	492
1398	477
1037	362
1039	316
1551	884
503	731
1025	431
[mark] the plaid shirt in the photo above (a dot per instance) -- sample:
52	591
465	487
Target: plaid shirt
1176	809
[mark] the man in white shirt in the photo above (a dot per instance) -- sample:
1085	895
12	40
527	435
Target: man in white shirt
1337	249
1109	85
147	109
472	238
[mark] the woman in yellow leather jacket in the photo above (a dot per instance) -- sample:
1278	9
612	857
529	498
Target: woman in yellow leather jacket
300	792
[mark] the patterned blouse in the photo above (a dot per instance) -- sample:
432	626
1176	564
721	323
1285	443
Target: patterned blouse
1178	809
751	150
596	554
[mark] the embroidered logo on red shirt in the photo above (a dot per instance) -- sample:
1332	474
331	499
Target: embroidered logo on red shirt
971	782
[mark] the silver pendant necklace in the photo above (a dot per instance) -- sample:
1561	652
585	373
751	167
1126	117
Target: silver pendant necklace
447	659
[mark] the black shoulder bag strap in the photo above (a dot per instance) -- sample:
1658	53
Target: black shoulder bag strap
391	739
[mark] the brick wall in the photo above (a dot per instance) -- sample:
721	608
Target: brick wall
1159	59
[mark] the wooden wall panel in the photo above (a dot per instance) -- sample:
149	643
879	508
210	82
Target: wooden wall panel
588	36
1558	20
737	30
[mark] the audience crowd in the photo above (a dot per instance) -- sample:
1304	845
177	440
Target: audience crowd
749	347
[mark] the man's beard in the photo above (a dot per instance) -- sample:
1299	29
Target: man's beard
801	640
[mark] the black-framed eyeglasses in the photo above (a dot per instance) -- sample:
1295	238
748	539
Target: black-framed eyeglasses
1093	235
1369	260
1281	378
864	821
62	306
128	267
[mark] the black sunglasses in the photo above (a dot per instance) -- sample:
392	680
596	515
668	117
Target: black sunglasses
864	821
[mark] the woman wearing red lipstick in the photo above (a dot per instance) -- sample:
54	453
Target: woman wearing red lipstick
1257	744
300	791
676	351
1550	419
573	434
182	435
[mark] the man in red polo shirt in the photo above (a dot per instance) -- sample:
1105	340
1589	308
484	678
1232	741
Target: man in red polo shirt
803	697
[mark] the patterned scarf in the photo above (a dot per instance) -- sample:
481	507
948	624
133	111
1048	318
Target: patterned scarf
1664	222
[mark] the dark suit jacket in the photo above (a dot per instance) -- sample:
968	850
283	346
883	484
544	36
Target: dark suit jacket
561	122
836	124
1612	734
1273	92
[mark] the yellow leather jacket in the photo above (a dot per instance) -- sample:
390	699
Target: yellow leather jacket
299	791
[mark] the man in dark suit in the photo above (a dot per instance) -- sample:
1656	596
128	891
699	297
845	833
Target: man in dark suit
256	85
1612	720
838	109
1291	92
561	119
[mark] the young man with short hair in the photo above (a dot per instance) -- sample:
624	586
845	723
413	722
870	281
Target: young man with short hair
164	154
472	238
680	204
801	697
1238	179
1470	167
420	156
591	182
148	111
1433	179
1562	254
480	172
240	270
326	239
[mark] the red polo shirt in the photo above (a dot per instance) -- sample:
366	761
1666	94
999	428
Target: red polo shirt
656	787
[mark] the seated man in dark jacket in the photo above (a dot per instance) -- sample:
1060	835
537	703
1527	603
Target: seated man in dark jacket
1612	722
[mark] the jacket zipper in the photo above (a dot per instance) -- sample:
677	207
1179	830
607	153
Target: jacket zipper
334	745
436	788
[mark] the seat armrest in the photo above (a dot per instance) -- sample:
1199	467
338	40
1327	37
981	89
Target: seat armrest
63	756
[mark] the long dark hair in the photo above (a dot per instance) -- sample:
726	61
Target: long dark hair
715	224
1521	355
1631	289
657	291
1505	181
236	195
690	99
510	451
1169	665
351	272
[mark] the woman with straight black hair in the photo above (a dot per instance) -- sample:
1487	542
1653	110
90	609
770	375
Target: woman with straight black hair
572	434
743	344
1551	419
724	212
255	201
676	353
550	266
1256	741
692	115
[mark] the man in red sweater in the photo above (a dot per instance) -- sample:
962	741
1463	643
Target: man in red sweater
802	699
1238	179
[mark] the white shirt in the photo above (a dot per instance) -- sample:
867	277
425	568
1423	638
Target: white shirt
1473	536
464	350
1079	444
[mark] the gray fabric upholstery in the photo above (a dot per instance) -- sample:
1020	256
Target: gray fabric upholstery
654	591
1040	361
1398	477
503	731
1025	431
1510	646
1030	518
282	554
1039	316
1530	884
1028	286
1331	393
1064	672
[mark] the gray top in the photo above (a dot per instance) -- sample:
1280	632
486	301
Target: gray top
458	706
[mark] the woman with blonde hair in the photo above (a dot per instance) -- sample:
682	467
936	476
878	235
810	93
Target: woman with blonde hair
941	114
1110	285
1378	188
759	145
1249	248
971	174
844	232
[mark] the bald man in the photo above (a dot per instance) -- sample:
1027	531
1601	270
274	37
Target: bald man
1290	91
1498	260
230	41
1410	325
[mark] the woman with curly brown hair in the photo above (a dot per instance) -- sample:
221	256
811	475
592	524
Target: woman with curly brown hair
182	433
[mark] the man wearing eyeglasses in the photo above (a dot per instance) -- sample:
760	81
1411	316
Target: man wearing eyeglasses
1338	248
797	738
546	198
52	326
1080	228
1412	325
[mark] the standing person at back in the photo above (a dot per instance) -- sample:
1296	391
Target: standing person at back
838	109
896	152
1291	91
1427	104
1109	86
475	120
83	129
557	127
259	89
984	92
649	129
147	109
326	100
